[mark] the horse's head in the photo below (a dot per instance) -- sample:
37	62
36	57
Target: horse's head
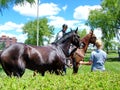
92	38
75	38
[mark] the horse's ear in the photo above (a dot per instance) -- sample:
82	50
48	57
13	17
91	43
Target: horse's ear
76	30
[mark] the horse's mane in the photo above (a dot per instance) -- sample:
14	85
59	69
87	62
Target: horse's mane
64	38
85	38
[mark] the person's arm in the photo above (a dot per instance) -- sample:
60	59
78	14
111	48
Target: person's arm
86	63
90	60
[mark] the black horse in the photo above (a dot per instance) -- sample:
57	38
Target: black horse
17	57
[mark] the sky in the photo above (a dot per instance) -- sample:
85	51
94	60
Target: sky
74	13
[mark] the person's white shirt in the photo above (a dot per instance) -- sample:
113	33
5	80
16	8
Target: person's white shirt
60	34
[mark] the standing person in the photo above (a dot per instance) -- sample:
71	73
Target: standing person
97	58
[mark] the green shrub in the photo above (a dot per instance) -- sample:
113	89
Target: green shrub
83	80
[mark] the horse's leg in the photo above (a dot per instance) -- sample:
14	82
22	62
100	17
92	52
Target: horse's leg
7	71
19	68
51	71
75	66
35	72
57	72
64	69
13	71
43	73
60	72
19	72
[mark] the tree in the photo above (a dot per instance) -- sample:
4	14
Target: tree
107	18
115	45
112	7
2	45
45	31
82	33
6	3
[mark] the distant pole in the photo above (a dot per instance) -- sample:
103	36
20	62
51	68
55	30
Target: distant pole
37	22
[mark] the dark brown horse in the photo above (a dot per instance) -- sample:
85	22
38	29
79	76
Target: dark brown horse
79	54
17	57
0	55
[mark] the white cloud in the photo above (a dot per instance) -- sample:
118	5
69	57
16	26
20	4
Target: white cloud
3	33
11	26
49	10
57	22
64	8
98	33
19	30
45	9
82	26
82	12
6	29
21	37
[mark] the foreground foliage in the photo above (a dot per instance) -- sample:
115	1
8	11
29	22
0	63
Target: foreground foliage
84	80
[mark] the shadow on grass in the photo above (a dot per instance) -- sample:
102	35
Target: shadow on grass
113	59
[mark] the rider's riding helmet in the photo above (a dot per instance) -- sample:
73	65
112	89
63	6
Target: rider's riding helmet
64	26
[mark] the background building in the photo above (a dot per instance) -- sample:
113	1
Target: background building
7	41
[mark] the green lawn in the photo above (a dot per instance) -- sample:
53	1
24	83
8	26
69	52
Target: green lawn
84	80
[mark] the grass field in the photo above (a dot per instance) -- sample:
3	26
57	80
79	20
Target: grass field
84	80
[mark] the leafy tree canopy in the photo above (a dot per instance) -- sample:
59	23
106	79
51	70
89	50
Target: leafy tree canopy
108	19
82	33
45	31
6	3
